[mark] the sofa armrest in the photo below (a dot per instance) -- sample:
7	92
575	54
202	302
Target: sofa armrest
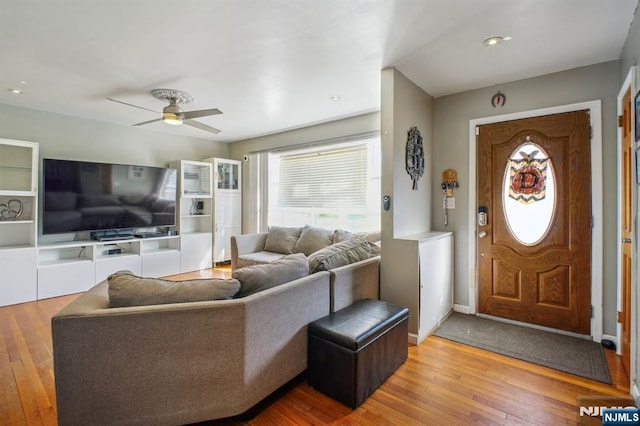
246	243
353	282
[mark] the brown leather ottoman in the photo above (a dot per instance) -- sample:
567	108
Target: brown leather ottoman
354	350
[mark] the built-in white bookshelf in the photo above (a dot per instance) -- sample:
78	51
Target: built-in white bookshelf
194	222
18	220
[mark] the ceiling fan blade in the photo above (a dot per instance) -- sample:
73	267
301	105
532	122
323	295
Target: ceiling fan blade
201	126
147	122
201	113
135	106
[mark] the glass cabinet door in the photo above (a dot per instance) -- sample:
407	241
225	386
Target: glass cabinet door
228	175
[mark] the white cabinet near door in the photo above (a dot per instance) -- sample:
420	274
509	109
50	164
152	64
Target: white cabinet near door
420	277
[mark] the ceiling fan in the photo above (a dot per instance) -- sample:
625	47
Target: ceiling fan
173	114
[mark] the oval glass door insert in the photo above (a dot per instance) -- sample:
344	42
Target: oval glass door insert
528	194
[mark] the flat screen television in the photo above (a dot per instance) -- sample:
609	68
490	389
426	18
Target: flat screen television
84	196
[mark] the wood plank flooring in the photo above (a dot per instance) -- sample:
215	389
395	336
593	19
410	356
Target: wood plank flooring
442	382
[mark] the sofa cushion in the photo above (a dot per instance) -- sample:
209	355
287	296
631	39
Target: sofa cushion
127	289
281	239
340	254
261	277
313	239
340	235
259	258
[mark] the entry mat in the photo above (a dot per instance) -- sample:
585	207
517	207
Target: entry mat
570	354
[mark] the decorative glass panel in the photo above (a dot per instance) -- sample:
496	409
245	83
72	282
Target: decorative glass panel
529	196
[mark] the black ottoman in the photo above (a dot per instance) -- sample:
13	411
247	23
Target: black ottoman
354	350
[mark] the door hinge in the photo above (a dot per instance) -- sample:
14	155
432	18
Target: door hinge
619	121
619	317
590	132
477	130
591	311
591	222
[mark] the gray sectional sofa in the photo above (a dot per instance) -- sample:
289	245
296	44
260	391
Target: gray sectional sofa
179	363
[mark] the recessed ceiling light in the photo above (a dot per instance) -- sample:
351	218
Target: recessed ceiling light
334	98
495	40
16	91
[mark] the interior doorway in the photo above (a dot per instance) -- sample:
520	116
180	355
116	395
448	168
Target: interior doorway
594	109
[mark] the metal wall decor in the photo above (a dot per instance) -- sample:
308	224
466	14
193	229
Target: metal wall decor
498	100
415	156
11	210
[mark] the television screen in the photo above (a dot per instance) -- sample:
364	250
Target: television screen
85	196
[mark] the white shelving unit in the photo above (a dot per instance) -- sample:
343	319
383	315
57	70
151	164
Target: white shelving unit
65	268
18	191
194	223
227	200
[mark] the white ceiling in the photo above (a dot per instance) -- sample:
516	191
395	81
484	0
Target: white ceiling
272	65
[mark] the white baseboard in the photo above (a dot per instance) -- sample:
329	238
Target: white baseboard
463	309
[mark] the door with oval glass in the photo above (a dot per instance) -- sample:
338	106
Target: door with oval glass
534	251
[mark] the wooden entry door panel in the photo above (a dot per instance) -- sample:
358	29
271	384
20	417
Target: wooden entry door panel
548	281
624	316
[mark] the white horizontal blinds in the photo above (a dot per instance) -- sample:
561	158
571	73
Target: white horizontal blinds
324	178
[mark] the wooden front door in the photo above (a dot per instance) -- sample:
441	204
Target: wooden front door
624	316
534	252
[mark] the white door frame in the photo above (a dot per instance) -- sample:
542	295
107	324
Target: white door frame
595	108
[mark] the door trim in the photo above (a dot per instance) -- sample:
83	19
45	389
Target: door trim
595	109
628	84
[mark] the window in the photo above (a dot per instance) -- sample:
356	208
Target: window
332	186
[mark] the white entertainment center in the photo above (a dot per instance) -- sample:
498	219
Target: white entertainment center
36	268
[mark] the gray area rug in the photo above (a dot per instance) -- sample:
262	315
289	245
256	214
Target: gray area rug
573	355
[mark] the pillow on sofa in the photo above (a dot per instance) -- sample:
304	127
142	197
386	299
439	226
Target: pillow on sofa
313	239
282	240
340	254
255	278
127	289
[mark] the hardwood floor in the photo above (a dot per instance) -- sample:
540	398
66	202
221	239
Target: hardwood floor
442	382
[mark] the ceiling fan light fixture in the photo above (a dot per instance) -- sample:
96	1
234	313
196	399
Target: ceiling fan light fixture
171	118
172	114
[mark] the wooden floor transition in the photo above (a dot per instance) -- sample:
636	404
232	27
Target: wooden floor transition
442	382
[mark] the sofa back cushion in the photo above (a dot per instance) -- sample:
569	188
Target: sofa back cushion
313	239
343	253
261	277
282	240
127	289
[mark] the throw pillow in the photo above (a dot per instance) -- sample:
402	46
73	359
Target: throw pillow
313	239
340	254
255	278
127	289
341	235
282	240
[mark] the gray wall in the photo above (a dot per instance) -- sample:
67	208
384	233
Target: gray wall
403	106
63	136
451	140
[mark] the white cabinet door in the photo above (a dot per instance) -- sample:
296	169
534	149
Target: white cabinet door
19	277
222	244
107	266
65	278
161	264
195	252
436	282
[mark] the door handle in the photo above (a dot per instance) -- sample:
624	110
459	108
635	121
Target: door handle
626	240
482	234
